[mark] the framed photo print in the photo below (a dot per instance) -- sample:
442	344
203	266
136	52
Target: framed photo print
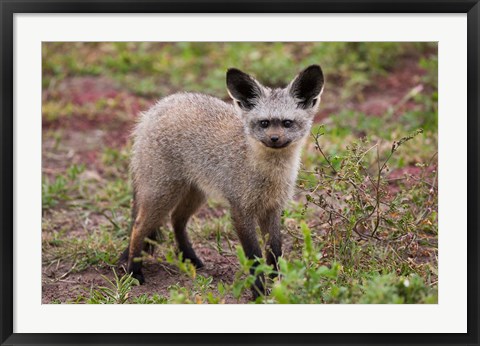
243	172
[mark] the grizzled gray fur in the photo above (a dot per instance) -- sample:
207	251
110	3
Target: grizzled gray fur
190	146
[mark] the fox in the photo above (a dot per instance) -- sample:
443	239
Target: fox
190	146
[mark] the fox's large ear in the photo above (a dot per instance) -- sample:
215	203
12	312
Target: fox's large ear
307	87
243	89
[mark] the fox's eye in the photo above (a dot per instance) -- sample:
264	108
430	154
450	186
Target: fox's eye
264	123
287	123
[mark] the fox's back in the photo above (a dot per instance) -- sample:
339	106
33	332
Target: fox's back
193	137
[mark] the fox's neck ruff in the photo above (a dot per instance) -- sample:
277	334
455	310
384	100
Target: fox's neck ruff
283	162
278	169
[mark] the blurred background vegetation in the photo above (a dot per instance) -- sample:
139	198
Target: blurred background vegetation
153	69
376	93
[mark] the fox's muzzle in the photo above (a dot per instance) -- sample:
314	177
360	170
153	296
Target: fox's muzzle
276	142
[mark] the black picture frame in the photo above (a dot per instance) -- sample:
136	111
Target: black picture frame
9	7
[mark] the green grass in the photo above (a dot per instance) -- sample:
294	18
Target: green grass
154	69
353	235
302	280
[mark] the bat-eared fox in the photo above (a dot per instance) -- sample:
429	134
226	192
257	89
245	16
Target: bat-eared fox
189	146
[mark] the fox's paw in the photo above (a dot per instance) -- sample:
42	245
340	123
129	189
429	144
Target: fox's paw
196	262
139	276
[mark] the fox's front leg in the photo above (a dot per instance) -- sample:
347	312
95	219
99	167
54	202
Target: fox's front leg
244	225
269	224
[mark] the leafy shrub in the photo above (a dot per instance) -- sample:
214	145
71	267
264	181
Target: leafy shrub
306	281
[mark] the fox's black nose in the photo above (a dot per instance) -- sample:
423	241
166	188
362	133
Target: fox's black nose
274	138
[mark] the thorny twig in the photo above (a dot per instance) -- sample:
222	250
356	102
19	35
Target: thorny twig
316	136
375	184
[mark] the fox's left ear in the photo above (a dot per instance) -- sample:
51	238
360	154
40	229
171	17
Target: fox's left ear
307	87
243	89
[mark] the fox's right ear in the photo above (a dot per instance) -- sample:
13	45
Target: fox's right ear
307	87
243	89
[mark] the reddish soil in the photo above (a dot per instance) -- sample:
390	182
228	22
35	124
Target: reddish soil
383	93
116	118
391	89
405	177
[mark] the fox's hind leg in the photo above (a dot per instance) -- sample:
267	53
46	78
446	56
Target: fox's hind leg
150	212
187	206
144	226
153	235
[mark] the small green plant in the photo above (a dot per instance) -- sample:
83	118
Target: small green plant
53	192
244	279
74	170
304	280
117	291
146	299
202	289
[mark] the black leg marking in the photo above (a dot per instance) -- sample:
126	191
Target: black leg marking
189	204
270	227
245	228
